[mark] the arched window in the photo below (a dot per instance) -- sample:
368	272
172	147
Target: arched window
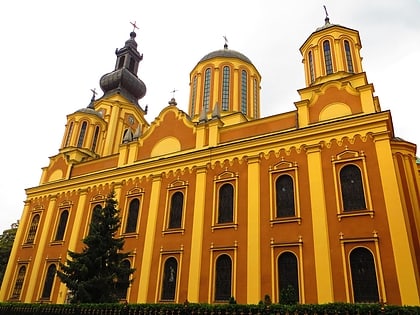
175	215
256	113
223	280
194	95
206	97
95	212
352	188
285	197
49	281
17	289
32	229
169	279
82	134
348	57
123	282
121	62
327	57
62	223
225	214
133	214
95	139
225	88
311	67
69	133
244	92
288	278
363	274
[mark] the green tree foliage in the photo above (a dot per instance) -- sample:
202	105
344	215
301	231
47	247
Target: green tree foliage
6	244
98	274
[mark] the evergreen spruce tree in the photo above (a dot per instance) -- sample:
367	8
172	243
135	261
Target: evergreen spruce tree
98	274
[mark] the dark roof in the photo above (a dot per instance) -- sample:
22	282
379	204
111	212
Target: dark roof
226	53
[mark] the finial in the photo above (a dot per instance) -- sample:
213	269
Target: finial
173	93
134	26
327	18
94	93
226	42
92	100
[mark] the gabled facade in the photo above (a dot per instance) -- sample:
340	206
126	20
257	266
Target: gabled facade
322	201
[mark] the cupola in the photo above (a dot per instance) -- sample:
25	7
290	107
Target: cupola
223	82
332	51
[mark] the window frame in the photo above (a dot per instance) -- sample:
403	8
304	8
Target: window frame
27	243
339	161
226	177
174	187
328	57
163	279
284	168
164	256
44	283
61	209
226	88
12	296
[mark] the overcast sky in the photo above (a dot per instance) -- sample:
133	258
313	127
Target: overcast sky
54	52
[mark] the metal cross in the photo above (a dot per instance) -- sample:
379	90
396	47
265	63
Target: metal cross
94	93
173	93
134	25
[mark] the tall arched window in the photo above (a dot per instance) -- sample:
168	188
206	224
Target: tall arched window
327	57
244	92
169	279
62	223
256	113
123	282
348	57
82	134
95	210
352	188
69	134
133	214
49	281
194	95
17	289
225	214
206	97
225	88
285	197
175	215
311	67
363	274
32	229
288	278
95	139
223	279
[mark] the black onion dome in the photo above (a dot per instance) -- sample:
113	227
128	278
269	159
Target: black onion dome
125	82
226	53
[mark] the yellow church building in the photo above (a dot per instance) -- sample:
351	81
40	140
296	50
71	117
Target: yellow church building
220	202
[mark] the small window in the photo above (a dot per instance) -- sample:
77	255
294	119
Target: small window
82	134
132	218
17	289
62	223
327	57
175	214
121	62
288	278
244	92
223	280
32	229
363	274
225	88
123	282
256	113
95	139
311	67
96	210
352	192
169	279
348	57
206	97
285	197
131	65
225	213
49	281
194	95
69	134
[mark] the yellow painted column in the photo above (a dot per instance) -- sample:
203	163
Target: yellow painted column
39	257
253	266
149	239
403	255
19	239
322	259
197	236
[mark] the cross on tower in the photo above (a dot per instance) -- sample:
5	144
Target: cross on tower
94	93
173	93
134	25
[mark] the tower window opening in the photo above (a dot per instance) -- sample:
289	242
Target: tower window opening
327	57
82	134
348	57
244	92
194	95
131	65
225	88
256	113
311	67
206	98
121	62
95	139
69	134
